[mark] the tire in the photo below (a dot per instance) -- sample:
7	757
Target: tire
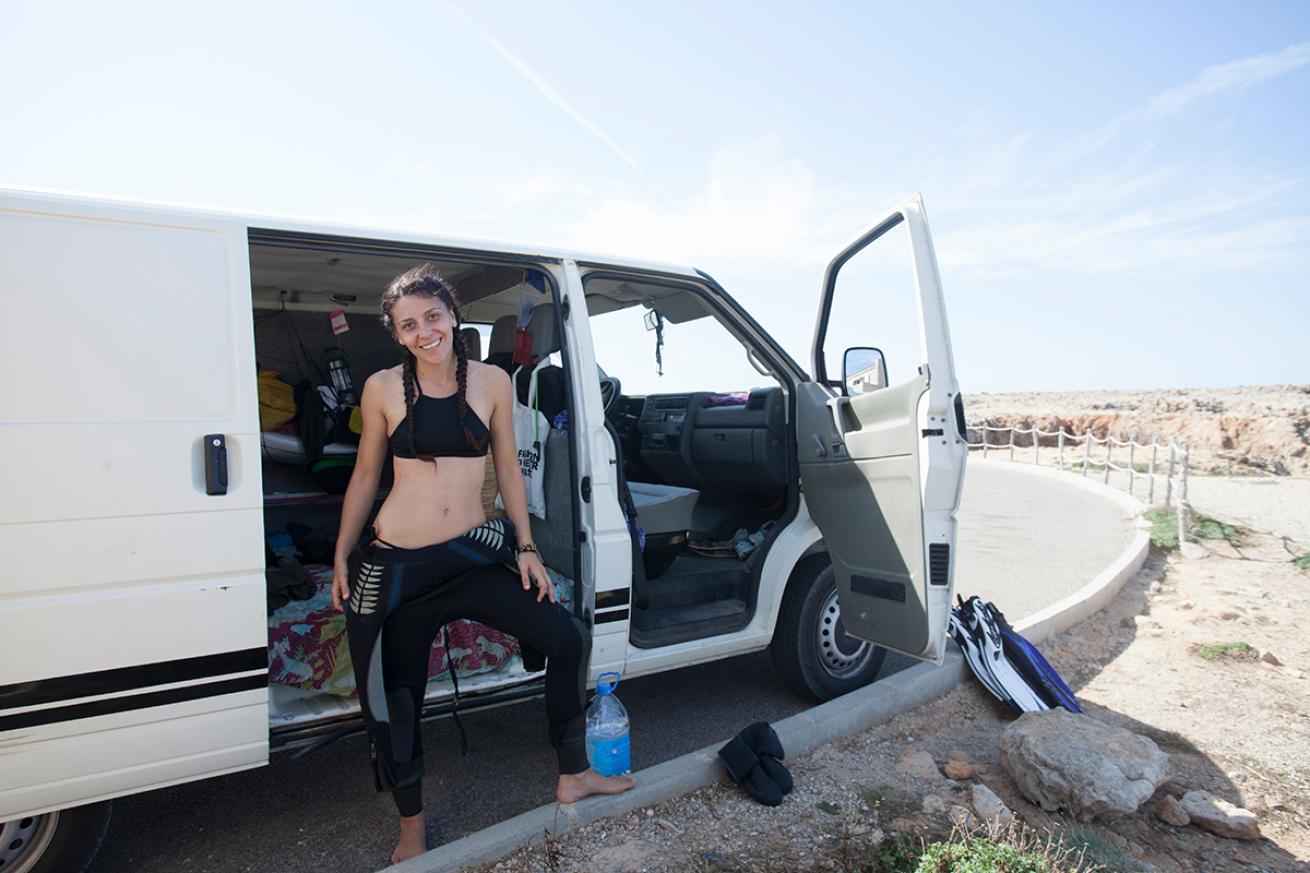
810	649
54	842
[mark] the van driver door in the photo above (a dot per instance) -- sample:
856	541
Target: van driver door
882	466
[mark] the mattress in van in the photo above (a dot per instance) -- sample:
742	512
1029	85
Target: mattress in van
307	642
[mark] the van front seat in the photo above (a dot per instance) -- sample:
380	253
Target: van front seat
472	342
664	513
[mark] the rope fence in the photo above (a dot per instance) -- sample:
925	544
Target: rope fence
1081	454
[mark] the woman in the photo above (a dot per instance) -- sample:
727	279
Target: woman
432	557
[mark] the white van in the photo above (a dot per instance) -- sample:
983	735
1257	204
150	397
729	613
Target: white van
139	489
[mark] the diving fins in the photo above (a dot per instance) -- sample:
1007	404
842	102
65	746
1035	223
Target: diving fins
978	633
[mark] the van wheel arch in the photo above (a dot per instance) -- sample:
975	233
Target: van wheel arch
64	841
809	651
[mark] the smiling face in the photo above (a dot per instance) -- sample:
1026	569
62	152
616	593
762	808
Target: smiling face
425	326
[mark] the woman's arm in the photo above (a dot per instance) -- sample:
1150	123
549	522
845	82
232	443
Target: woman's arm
363	487
509	477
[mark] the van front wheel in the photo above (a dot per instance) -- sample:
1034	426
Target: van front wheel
810	648
64	841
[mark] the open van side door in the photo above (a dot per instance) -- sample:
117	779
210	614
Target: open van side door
133	637
882	471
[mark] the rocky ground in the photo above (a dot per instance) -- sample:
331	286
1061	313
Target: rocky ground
1259	430
1236	726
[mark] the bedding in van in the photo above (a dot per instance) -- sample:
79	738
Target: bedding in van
307	642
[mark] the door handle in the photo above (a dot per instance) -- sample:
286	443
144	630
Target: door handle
215	463
838	406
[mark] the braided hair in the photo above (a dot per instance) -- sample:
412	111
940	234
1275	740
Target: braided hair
425	281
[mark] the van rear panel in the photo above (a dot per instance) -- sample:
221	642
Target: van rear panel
133	644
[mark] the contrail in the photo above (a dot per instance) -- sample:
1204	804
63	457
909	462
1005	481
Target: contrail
554	96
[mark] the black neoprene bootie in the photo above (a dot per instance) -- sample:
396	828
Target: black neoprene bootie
745	768
763	740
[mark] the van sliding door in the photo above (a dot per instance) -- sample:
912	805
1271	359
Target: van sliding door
132	621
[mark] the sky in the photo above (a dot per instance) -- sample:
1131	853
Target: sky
1119	194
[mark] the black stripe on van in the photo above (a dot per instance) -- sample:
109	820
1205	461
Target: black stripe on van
131	678
617	597
76	711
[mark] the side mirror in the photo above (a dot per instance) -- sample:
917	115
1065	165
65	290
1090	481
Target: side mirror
862	371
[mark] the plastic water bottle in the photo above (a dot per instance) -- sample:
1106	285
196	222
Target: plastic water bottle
607	730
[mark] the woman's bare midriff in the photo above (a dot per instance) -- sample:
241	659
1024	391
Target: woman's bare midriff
430	504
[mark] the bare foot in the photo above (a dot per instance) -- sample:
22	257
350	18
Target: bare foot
413	839
573	787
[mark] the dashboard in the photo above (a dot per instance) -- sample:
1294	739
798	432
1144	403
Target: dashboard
733	443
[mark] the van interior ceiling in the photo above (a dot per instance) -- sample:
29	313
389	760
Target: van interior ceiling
711	473
302	290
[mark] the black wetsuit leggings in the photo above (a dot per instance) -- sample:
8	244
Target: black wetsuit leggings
400	598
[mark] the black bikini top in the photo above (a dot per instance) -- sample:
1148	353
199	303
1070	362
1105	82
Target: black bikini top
437	430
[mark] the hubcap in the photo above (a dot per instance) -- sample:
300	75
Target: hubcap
842	656
24	840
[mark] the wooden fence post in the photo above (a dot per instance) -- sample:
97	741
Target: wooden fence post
1132	452
1169	480
1087	450
1109	448
1060	445
1150	488
1182	497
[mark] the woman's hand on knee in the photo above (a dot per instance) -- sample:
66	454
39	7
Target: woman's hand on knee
340	590
531	569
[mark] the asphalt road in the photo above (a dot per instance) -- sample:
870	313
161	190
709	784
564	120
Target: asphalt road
1024	543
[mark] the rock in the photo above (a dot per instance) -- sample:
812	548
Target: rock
907	825
1154	587
933	804
990	807
1169	812
961	817
1061	760
1220	817
1187	604
957	755
959	770
919	764
1270	658
1229	615
1193	550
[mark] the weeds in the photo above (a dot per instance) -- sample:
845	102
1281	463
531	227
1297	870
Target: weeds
1302	562
1164	530
1164	527
1233	651
1206	528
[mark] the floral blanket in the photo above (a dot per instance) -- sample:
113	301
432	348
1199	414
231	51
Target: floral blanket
307	642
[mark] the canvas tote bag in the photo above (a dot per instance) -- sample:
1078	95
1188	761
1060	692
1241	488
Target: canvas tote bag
530	432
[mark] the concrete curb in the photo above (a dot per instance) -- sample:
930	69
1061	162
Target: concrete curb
1097	594
801	733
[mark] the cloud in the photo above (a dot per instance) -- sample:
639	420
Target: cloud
1210	82
1232	76
756	208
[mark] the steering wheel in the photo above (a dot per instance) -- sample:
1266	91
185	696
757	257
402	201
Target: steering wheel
610	391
